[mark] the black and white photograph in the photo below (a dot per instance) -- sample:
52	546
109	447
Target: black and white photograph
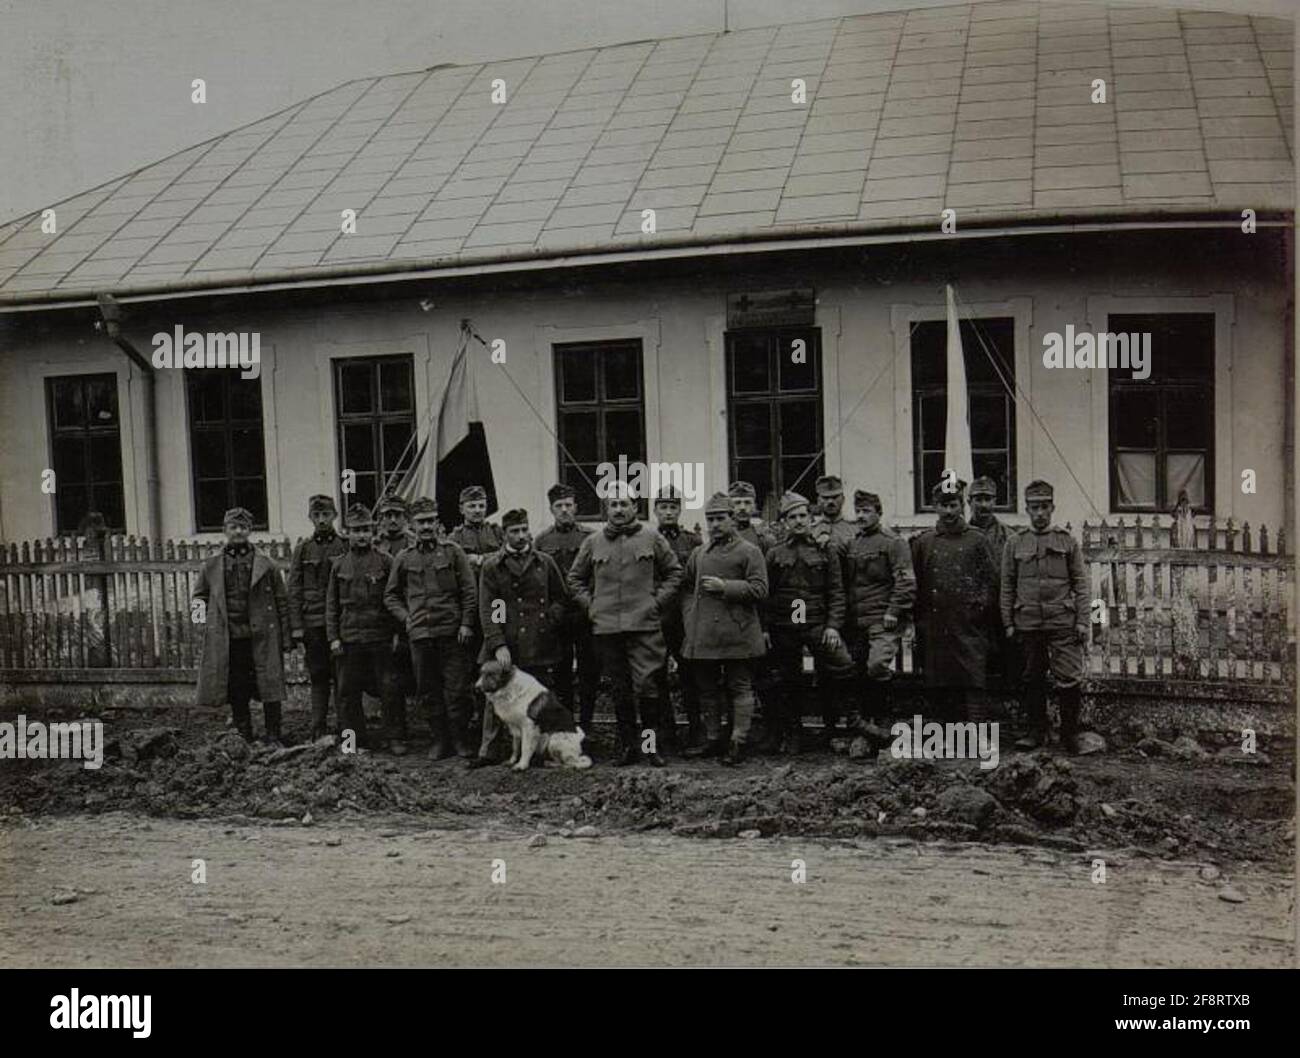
704	483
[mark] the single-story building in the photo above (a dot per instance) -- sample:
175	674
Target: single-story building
728	249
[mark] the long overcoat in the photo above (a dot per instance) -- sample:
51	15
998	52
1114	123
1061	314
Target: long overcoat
268	616
957	580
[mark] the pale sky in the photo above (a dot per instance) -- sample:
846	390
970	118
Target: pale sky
93	89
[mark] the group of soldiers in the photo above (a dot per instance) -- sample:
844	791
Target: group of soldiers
403	609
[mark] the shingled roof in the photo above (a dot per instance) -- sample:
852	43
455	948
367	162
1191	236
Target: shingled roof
985	109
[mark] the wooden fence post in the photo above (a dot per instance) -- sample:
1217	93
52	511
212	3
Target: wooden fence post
94	594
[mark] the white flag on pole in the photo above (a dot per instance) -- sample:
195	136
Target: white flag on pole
956	441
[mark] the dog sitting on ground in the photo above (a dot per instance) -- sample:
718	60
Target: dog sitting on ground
537	722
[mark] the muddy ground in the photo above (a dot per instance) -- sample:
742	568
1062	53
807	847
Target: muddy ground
640	865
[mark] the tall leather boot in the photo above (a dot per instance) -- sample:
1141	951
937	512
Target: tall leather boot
629	751
271	710
320	705
440	747
1069	698
1035	703
243	721
458	724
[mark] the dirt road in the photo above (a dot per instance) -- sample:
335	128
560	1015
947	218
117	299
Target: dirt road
352	893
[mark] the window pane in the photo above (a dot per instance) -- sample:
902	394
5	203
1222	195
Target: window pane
934	417
71	505
367	490
623	435
622	373
750	363
396	436
800	427
1135	479
797	475
69	411
984	343
246	452
797	376
753	434
588	504
210	453
577	372
356	384
106	459
988	421
758	472
251	494
931	473
1185	470
101	401
578	434
1182	344
929	342
358	448
211	503
1133	417
107	499
395	391
207	397
245	399
69	461
1187	419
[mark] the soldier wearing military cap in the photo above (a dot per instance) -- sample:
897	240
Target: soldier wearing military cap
724	587
668	512
360	631
522	600
476	536
744	502
309	574
804	608
395	536
1045	605
623	579
431	590
881	588
246	630
561	541
830	522
1005	664
956	602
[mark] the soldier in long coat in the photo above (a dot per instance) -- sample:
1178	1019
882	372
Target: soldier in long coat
957	579
668	512
246	629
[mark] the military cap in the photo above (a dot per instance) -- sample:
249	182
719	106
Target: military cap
238	516
719	503
792	501
393	503
938	494
423	505
829	485
1039	490
560	492
518	516
321	503
669	494
984	486
740	490
863	498
359	515
472	492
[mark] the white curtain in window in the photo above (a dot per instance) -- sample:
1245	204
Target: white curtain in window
1185	471
1135	476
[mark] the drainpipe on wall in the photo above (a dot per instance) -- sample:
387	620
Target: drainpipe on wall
111	314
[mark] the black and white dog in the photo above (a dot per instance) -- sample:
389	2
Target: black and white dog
538	723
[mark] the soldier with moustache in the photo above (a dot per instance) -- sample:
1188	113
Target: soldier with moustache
1005	663
668	513
395	536
830	523
744	502
561	541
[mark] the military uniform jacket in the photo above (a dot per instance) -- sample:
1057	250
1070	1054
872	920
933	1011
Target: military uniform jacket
527	590
878	577
957	596
562	544
802	568
841	531
394	546
759	534
626	582
478	540
683	542
1044	586
997	534
309	576
431	590
354	605
727	625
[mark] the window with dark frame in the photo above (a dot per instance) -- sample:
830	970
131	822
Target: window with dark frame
774	409
374	402
86	450
227	448
985	343
600	414
1162	427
